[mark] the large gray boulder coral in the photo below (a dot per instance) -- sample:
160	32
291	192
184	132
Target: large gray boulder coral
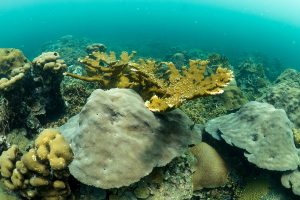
116	140
265	133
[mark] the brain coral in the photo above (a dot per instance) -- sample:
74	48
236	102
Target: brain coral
116	140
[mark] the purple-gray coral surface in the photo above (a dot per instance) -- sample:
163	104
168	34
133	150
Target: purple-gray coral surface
116	140
264	132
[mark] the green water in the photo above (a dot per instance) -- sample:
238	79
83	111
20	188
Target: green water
270	28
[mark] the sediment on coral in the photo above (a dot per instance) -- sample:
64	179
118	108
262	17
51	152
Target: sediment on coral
161	85
40	173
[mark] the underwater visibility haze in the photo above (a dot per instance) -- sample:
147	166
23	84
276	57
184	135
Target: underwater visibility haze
149	99
230	27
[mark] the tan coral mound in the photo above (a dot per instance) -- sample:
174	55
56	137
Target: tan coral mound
161	84
210	168
41	172
14	66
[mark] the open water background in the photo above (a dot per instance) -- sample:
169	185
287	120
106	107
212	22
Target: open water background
269	27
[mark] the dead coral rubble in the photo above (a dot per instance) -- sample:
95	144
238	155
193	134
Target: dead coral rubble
41	172
162	85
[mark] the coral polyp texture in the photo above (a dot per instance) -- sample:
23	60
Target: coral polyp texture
13	67
161	84
116	140
41	173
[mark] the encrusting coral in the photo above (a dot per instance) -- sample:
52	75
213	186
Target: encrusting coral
162	85
42	171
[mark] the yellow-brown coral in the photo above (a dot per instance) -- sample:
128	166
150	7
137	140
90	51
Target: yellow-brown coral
162	85
210	169
14	67
41	172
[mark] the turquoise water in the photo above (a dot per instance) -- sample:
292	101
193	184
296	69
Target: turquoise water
269	28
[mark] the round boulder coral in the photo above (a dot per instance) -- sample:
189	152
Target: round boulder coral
116	140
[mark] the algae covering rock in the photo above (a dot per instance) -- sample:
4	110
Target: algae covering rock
41	173
116	140
265	133
13	67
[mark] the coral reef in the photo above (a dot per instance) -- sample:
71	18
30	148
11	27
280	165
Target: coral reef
256	188
4	116
69	47
18	137
75	93
13	97
116	140
48	71
285	94
163	91
203	109
179	59
296	133
14	68
172	181
251	78
42	171
292	180
263	131
210	169
95	47
37	96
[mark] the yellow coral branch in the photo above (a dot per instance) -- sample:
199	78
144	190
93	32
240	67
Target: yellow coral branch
162	92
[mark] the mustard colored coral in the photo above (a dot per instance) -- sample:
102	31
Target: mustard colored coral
52	146
14	66
41	172
7	160
105	68
189	84
161	84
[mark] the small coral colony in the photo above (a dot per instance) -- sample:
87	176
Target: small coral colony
143	117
